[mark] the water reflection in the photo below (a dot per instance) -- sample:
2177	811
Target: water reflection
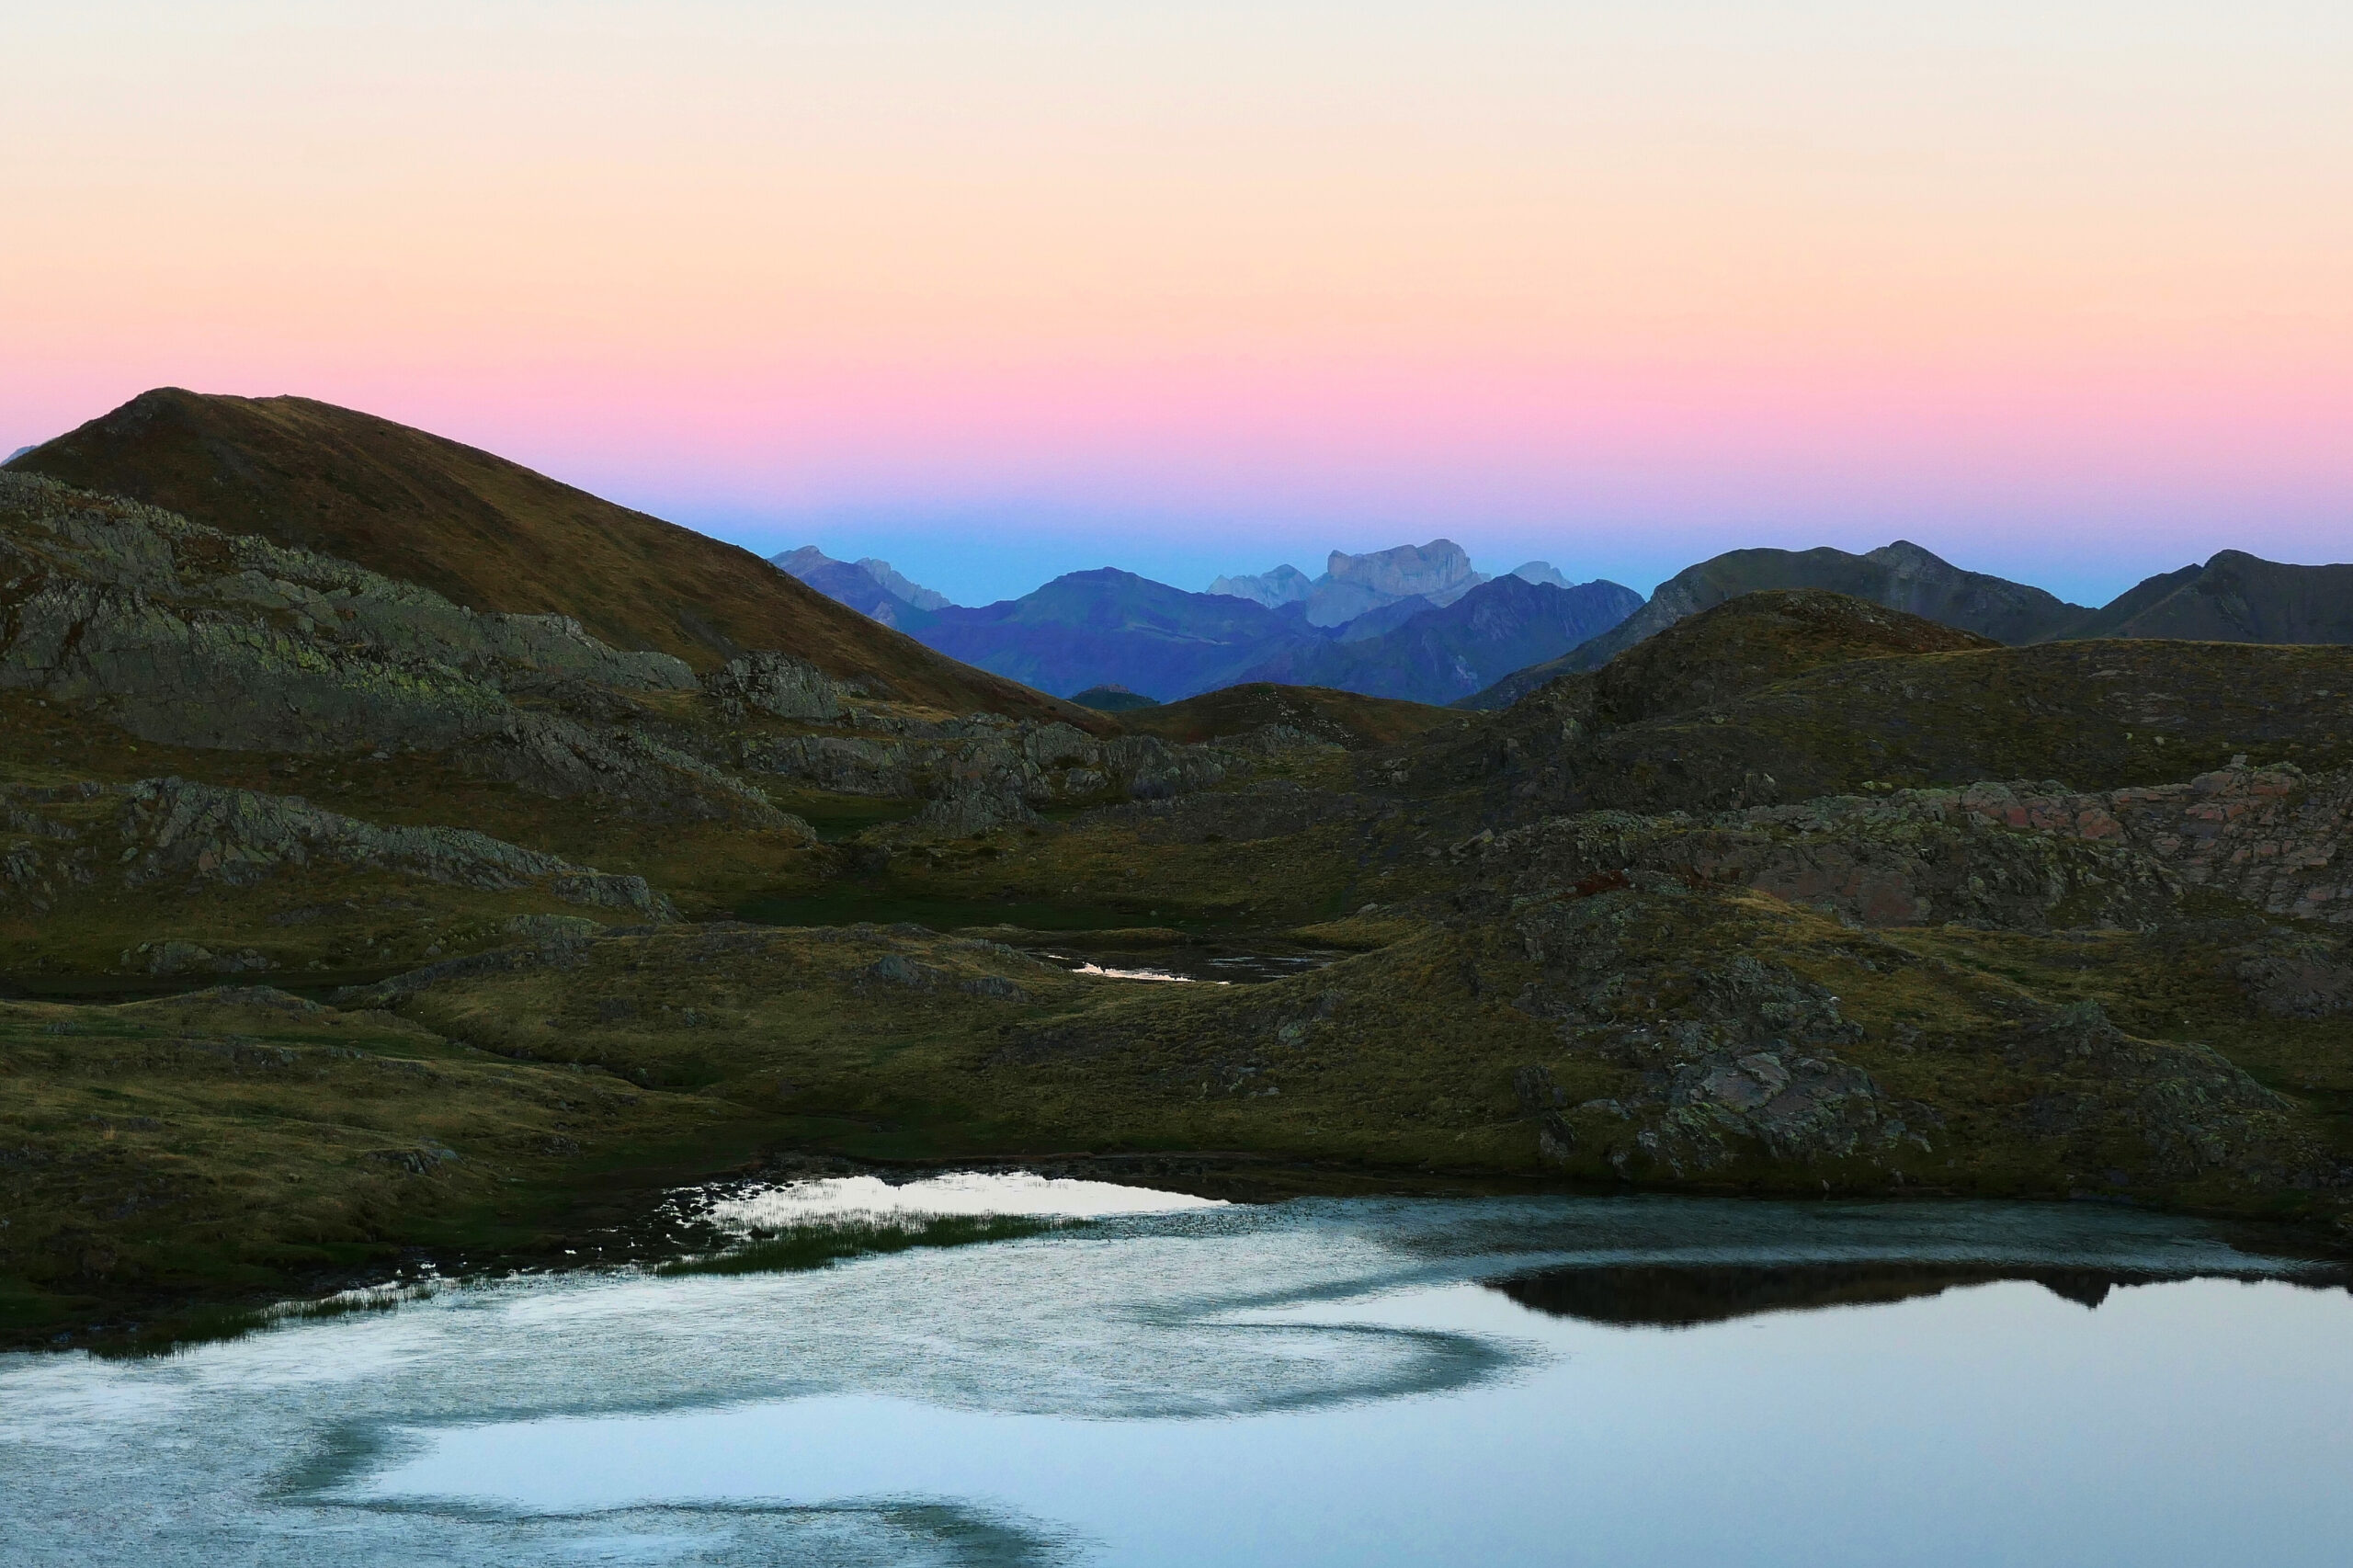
1687	1295
1355	1384
1209	965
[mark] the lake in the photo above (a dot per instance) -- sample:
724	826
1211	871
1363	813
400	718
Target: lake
1491	1381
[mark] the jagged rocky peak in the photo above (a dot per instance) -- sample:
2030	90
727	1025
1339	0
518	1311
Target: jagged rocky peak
1540	572
882	572
1429	570
1283	585
870	587
1438	572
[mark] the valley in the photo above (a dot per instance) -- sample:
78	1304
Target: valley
408	862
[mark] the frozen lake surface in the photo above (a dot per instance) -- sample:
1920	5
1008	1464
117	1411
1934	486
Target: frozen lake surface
1507	1382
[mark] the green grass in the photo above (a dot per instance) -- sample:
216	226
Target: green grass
822	1245
179	1333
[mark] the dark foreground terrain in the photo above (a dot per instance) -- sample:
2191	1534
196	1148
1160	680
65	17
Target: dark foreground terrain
351	925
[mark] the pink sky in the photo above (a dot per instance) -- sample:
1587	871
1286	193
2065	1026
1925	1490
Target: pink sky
2060	291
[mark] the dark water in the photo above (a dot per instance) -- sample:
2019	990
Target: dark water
1492	1382
1202	965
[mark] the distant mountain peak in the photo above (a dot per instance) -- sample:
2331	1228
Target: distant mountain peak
869	586
882	572
1284	585
1438	571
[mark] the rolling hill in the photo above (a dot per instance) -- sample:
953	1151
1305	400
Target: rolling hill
492	535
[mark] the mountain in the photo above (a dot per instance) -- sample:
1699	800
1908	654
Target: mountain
1901	577
1284	585
492	535
1090	628
1345	719
882	572
1773	698
1113	699
873	588
1354	586
1109	626
2235	597
1459	648
1543	572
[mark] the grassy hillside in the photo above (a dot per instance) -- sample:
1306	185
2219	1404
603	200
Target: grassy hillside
1773	698
1344	717
491	534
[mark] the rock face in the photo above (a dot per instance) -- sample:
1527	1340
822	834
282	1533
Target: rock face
170	832
2269	836
776	684
193	637
188	636
1919	859
1351	584
1740	1061
2019	856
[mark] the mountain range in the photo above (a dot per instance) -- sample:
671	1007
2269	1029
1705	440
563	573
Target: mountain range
2235	597
1109	627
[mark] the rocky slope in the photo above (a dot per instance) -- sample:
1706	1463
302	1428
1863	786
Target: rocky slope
491	535
2097	714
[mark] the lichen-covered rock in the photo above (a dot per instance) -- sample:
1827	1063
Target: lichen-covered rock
776	684
2269	835
171	831
979	774
1910	860
551	755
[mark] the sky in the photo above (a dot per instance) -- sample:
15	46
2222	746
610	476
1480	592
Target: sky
2062	290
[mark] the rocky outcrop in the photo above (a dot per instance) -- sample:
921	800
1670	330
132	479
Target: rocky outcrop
172	832
1736	1052
551	755
1740	1059
2269	835
1910	861
189	636
776	684
135	561
980	774
2017	856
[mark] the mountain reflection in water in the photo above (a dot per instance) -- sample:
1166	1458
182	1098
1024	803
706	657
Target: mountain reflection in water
1686	1297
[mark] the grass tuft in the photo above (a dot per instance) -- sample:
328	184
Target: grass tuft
825	1243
